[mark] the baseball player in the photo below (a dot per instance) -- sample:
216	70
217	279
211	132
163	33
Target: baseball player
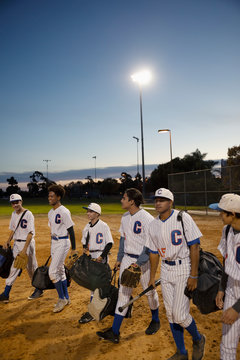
23	235
179	268
133	230
229	207
97	241
61	225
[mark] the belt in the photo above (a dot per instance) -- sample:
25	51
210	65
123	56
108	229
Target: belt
94	250
59	237
132	255
20	240
173	262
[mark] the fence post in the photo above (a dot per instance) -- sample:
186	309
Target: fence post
184	189
205	191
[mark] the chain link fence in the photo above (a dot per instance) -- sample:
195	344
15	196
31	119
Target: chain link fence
203	187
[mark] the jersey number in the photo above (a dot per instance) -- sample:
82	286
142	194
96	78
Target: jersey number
99	238
176	237
58	219
137	229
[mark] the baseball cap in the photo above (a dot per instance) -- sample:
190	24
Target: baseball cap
94	207
164	193
15	197
228	202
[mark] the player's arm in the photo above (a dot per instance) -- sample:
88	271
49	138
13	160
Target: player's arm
105	252
154	261
8	242
194	258
222	288
143	257
120	253
72	237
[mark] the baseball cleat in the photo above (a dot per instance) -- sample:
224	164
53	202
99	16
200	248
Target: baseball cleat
68	301
86	317
4	299
179	356
60	305
36	294
153	327
108	335
198	348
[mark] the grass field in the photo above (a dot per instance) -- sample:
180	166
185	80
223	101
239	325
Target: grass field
109	206
40	206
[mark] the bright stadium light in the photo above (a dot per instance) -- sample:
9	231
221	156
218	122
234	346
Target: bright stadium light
142	77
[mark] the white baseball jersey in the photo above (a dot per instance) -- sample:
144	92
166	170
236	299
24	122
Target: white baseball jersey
166	236
59	221
25	227
99	235
230	250
134	230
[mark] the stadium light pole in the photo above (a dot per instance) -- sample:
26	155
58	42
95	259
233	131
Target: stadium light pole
136	138
142	78
169	131
47	161
94	157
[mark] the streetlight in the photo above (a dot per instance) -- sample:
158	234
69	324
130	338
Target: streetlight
142	78
134	137
94	157
47	161
167	130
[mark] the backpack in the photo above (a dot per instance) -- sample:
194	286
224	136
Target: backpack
210	271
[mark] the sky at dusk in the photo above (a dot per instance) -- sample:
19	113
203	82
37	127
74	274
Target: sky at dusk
66	92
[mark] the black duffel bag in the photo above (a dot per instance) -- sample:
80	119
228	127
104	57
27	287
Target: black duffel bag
90	274
41	279
6	257
104	302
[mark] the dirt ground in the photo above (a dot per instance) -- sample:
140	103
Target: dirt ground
29	330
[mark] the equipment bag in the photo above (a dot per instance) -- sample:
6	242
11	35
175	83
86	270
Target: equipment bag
41	279
210	271
104	301
6	257
90	274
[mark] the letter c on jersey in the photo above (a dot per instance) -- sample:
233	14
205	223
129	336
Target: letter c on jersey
58	219
99	238
176	237
23	223
137	229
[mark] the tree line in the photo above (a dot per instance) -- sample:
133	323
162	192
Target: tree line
38	184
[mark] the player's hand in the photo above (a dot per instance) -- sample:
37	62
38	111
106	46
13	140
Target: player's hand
219	299
6	245
99	259
152	282
85	251
117	265
229	316
191	284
